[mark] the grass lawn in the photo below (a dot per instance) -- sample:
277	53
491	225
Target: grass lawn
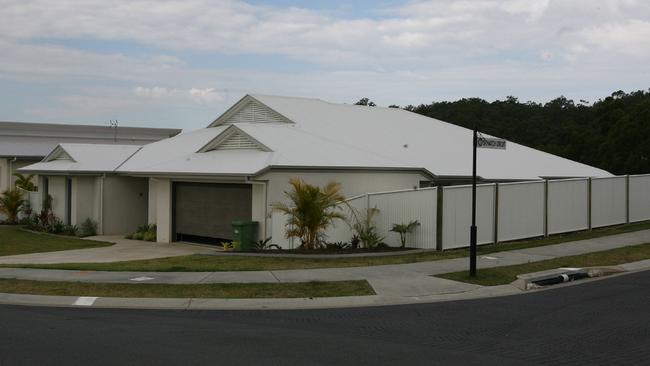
15	240
507	274
217	290
203	263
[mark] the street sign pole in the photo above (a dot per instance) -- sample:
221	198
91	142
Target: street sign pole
472	230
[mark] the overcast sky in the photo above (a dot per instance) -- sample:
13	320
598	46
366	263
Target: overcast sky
181	63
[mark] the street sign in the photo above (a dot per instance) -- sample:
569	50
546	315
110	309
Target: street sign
491	143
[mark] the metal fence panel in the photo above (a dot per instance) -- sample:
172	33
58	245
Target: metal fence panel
457	215
568	205
639	197
402	207
608	201
520	210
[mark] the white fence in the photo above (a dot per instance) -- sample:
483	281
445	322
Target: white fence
520	210
504	211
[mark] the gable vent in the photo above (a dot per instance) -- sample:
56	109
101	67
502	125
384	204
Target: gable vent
237	141
255	112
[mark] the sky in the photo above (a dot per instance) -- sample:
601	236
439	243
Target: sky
181	63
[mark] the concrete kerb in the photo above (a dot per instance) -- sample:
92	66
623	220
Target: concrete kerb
281	304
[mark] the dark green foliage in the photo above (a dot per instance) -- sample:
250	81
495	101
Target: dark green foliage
611	134
265	245
145	232
88	228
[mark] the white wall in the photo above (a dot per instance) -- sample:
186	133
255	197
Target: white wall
259	209
457	215
353	183
639	197
608	201
568	208
521	210
164	210
151	209
56	189
83	200
125	204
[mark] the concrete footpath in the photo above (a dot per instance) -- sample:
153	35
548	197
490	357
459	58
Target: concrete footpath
394	284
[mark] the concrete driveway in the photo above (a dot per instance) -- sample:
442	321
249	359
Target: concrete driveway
122	250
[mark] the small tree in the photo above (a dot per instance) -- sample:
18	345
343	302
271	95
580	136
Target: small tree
25	182
404	229
11	201
311	210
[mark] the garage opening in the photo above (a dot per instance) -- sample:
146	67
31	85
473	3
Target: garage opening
204	212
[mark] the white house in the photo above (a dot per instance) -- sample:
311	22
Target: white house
197	183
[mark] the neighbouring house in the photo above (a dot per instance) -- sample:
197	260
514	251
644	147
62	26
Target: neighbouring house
23	144
195	184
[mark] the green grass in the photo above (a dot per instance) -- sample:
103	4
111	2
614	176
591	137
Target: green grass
507	274
216	290
14	240
203	263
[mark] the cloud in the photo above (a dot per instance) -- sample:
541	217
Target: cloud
197	95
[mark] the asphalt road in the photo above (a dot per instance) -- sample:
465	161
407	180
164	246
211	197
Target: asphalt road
598	323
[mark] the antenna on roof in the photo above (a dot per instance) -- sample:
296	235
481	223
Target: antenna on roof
114	125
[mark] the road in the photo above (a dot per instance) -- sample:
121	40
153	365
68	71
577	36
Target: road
597	323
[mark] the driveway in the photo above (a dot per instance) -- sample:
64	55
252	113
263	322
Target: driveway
123	250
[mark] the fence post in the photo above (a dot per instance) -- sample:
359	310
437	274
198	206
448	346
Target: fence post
546	207
589	203
627	199
439	218
496	213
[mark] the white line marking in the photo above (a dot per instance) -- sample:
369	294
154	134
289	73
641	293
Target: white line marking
85	301
490	258
143	278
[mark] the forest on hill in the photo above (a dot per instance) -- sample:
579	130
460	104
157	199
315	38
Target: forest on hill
612	133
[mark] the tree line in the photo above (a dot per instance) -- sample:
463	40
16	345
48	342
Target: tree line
612	133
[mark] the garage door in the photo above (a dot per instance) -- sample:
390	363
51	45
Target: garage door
205	212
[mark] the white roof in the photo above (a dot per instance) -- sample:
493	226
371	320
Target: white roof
84	158
261	132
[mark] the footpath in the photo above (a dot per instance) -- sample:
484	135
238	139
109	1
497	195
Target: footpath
393	284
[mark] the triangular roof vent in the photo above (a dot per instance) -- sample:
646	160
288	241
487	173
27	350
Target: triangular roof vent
58	154
249	110
234	138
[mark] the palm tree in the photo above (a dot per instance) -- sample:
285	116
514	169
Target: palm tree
25	182
10	203
403	229
311	211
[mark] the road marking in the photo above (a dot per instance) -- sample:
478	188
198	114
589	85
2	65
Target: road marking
490	258
143	278
85	301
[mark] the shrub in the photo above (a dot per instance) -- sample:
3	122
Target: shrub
365	228
71	230
88	228
11	201
145	232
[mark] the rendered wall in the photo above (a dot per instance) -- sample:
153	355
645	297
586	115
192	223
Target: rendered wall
608	201
163	210
457	215
521	210
151	209
639	197
125	204
568	205
56	189
83	200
